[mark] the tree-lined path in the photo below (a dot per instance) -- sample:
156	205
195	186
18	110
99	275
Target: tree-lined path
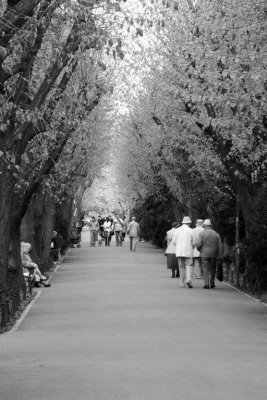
114	325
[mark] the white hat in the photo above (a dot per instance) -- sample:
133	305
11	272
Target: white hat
186	220
207	222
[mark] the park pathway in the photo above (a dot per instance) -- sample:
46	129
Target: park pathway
114	325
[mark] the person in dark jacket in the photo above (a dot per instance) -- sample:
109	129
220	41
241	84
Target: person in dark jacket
55	248
209	243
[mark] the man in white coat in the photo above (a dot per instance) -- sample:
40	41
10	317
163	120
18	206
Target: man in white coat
183	241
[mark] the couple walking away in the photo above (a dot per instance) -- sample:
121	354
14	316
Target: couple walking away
182	244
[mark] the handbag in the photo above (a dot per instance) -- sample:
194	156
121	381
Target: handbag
219	271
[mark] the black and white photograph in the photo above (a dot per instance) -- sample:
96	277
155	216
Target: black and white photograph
133	199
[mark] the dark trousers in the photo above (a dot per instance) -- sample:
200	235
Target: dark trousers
55	253
209	270
107	238
118	237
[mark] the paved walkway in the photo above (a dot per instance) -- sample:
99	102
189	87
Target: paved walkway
114	325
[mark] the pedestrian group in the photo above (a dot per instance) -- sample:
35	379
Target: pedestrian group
193	253
104	228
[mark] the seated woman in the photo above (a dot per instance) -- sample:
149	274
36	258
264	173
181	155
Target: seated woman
28	264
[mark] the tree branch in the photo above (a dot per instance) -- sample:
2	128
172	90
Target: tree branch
38	178
15	17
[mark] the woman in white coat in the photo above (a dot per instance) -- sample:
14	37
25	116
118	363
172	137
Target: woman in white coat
172	261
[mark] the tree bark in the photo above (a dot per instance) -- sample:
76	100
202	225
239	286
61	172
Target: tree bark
48	224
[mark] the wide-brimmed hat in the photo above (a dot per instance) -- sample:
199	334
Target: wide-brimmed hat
186	220
207	222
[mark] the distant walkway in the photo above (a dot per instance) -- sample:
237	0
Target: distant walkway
114	325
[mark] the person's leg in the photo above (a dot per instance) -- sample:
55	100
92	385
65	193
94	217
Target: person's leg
106	237
117	238
189	271
197	268
181	263
55	255
134	243
95	237
131	243
205	267
91	238
212	272
38	274
39	282
120	238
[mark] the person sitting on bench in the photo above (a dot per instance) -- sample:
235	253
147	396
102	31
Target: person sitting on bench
28	264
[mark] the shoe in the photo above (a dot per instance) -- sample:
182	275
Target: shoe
45	284
37	284
212	286
206	287
189	284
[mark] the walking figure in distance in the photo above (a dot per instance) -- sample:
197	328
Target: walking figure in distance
209	244
172	261
183	241
133	232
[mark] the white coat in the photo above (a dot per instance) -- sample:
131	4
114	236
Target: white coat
196	232
183	241
170	244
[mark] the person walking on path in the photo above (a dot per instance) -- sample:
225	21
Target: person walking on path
133	232
196	254
124	227
183	241
118	225
100	221
172	261
107	231
94	228
209	244
56	243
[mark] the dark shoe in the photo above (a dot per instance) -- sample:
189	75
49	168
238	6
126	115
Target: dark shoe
212	286
206	287
189	284
37	284
45	284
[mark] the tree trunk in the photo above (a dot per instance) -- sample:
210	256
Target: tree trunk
48	223
15	279
256	238
6	189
